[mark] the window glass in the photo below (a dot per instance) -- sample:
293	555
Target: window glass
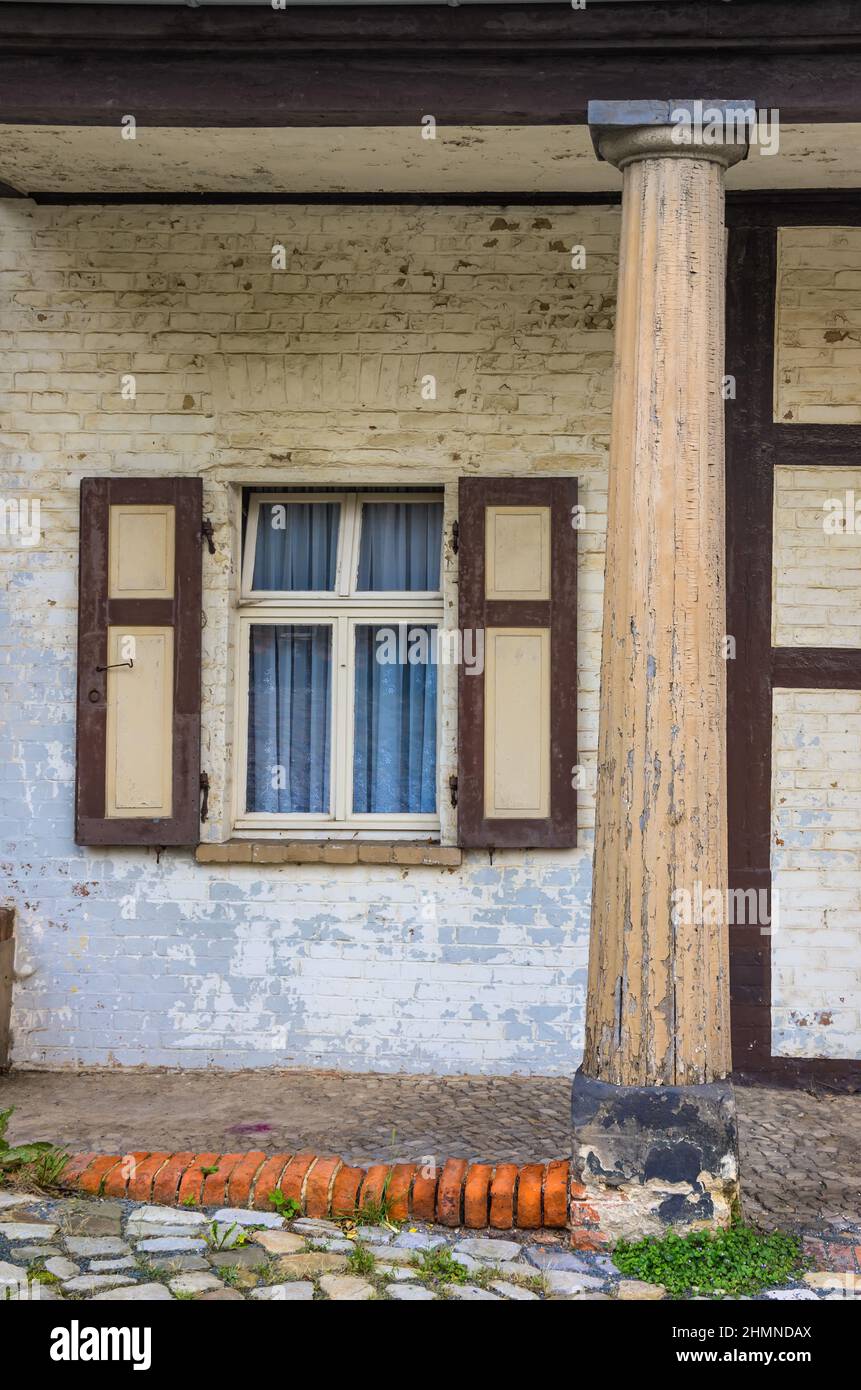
400	546
394	747
297	546
289	717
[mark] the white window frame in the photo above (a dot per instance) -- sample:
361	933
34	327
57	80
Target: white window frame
343	609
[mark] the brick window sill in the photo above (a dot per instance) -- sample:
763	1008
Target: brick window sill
328	852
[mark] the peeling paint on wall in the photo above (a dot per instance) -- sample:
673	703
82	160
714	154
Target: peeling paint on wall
310	377
816	867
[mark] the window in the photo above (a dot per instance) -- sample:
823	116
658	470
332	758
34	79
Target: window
340	609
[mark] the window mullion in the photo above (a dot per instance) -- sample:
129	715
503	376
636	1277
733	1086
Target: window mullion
347	546
341	717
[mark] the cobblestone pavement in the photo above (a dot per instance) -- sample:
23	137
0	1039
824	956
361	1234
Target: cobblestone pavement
800	1153
800	1157
82	1249
363	1117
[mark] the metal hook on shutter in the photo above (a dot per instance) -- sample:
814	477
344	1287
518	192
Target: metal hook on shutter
204	787
114	665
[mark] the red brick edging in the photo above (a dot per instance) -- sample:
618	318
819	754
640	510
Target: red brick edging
457	1193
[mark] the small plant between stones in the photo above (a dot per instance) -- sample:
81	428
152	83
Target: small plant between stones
736	1261
220	1237
360	1261
39	1165
438	1267
287	1207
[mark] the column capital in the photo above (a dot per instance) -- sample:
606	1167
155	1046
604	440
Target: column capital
719	131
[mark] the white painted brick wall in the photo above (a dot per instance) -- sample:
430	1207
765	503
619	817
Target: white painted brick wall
245	375
816	867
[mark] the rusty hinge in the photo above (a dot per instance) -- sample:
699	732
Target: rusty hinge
455	537
206	532
452	786
204	799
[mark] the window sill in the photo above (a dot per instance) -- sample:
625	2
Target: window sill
328	852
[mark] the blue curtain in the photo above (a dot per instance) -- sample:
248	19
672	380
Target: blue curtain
394	759
289	718
400	545
297	546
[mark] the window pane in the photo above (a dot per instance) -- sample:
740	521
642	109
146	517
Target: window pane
394	754
289	717
297	546
400	546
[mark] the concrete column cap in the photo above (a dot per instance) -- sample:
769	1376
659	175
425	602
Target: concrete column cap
624	131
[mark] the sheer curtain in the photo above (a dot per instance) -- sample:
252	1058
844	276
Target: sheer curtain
394	751
297	546
289	717
291	664
400	546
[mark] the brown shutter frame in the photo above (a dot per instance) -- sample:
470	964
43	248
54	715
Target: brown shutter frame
559	613
96	613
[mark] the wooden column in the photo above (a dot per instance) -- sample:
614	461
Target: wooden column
658	995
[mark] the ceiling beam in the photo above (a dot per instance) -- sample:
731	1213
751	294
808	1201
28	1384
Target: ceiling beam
378	90
770	24
375	65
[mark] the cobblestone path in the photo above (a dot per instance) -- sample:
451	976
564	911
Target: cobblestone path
800	1152
82	1249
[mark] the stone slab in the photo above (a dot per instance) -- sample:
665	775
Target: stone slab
485	1248
310	1265
295	1292
342	1288
242	1217
93	1247
279	1242
134	1293
27	1230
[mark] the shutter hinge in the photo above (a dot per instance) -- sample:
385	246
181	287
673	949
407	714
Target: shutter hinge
204	800
206	532
452	787
455	537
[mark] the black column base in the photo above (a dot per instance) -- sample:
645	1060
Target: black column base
651	1158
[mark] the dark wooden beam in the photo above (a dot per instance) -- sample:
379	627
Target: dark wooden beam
676	24
830	209
359	66
816	668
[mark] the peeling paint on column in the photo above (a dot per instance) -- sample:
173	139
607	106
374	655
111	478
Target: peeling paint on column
662	672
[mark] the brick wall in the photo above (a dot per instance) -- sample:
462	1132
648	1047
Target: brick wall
818	329
311	374
816	864
816	770
817	557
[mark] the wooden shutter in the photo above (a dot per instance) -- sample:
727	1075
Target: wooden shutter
517	723
139	599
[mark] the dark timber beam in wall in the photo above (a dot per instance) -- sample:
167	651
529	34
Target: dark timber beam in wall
376	65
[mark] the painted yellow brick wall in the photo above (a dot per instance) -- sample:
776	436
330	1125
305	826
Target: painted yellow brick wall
816	573
818	326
